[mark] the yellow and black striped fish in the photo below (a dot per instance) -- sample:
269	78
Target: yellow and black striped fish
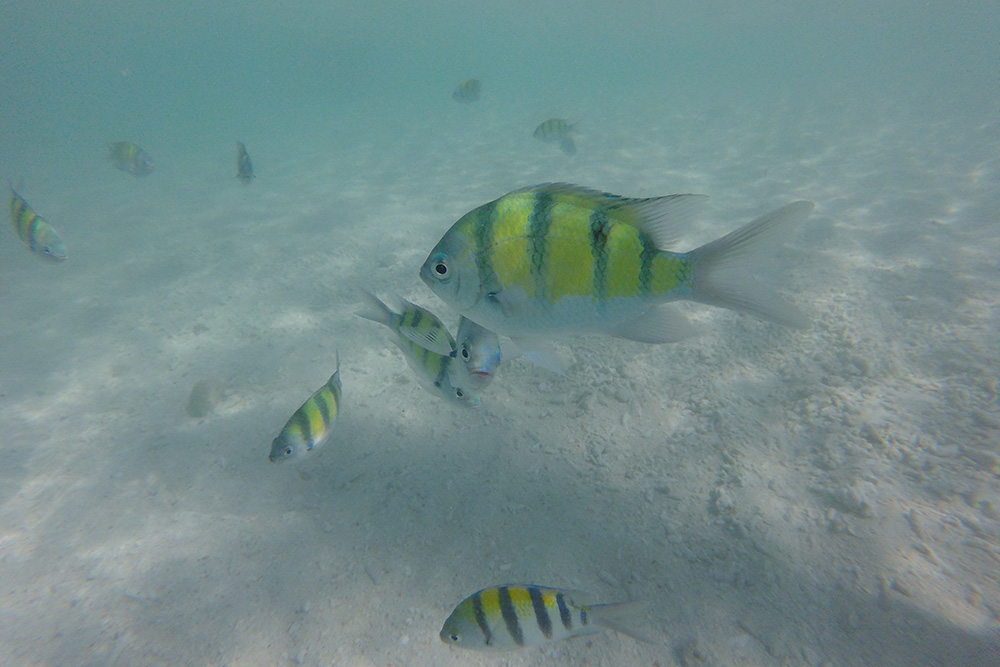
36	233
128	157
311	424
557	131
508	617
467	91
555	259
244	168
417	330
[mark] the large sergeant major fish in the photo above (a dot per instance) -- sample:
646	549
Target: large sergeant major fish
556	259
508	617
244	168
312	423
34	230
129	158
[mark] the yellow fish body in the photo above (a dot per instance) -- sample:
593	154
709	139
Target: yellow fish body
556	259
35	231
512	616
312	423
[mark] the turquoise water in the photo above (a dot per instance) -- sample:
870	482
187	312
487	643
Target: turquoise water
827	495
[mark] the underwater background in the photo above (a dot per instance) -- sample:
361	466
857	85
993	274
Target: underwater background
824	496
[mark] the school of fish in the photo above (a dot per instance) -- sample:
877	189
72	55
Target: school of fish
535	265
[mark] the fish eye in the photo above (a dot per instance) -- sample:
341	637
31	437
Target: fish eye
455	637
440	268
288	451
459	393
465	353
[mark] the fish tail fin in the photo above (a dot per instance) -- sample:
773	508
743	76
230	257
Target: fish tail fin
373	309
623	617
722	270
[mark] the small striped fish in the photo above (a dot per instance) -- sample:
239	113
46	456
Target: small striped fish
417	332
128	157
559	259
36	233
311	424
244	167
511	616
556	131
479	349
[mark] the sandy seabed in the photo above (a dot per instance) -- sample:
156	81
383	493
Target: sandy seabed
827	496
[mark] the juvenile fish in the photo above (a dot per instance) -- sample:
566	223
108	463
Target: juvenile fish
512	616
128	157
244	168
36	233
556	131
311	424
467	91
558	259
479	349
441	374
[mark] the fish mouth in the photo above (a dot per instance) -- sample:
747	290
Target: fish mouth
482	374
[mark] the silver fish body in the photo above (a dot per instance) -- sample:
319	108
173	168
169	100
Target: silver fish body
479	349
440	374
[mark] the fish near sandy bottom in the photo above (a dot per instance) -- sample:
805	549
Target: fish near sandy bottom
558	259
467	91
417	330
312	423
36	233
244	168
131	159
479	349
556	131
512	616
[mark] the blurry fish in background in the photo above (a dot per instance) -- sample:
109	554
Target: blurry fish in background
440	374
508	617
128	157
36	233
467	91
557	131
244	168
311	424
559	259
479	349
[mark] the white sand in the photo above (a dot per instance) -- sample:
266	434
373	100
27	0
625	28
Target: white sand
828	496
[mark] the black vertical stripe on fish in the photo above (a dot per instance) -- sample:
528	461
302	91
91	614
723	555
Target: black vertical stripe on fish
414	315
564	613
599	229
477	610
484	245
305	427
510	615
583	616
541	220
541	612
324	406
649	252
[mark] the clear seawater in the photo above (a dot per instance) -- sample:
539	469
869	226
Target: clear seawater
826	496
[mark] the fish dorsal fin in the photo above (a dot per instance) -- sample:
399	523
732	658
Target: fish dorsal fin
663	218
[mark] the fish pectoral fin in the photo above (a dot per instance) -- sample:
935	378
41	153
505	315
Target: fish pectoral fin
660	324
435	341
